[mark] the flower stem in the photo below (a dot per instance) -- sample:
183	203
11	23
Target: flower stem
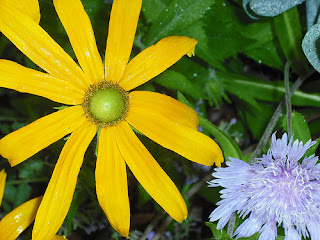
188	195
288	99
231	224
16	182
267	133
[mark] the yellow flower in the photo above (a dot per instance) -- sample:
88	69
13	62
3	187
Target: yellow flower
15	222
3	177
103	102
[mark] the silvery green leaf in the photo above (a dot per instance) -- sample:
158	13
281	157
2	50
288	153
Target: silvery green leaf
312	12
245	5
272	8
311	46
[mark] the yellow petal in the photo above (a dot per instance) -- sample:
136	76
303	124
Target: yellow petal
27	141
149	173
111	180
29	7
171	134
22	79
78	27
122	28
3	177
58	196
167	106
155	59
15	222
37	45
56	237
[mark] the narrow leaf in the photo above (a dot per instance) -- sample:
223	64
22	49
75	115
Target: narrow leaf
263	90
288	29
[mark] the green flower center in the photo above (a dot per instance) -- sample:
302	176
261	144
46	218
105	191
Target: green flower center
106	104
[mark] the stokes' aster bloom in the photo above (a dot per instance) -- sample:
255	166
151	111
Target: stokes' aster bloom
103	102
275	190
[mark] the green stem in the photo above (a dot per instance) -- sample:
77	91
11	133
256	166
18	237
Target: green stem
231	224
16	182
288	99
266	135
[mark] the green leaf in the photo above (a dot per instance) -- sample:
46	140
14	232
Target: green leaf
272	8
153	8
215	89
178	15
218	234
223	33
310	46
288	29
300	127
232	87
17	195
256	120
210	194
266	53
177	81
203	48
312	149
248	88
227	144
253	237
31	170
77	200
3	43
143	196
314	126
191	69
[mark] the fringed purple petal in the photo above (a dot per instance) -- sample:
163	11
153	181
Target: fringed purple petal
268	231
276	190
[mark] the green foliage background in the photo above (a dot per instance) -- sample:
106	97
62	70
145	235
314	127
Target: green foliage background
235	82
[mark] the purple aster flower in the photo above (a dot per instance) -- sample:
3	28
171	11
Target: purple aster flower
276	190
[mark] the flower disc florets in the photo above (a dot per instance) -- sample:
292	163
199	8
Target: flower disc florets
275	190
106	104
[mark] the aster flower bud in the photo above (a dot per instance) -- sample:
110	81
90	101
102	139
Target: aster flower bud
276	190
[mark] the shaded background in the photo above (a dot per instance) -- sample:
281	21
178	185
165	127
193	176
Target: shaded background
235	81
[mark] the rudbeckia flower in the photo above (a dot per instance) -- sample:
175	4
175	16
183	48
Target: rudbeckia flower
15	222
281	188
3	177
102	101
